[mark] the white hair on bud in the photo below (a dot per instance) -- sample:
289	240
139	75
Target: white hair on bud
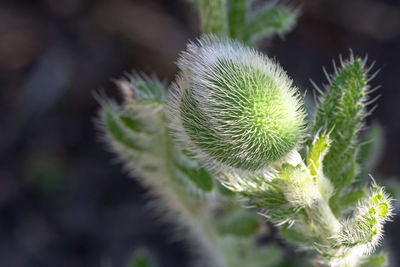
212	71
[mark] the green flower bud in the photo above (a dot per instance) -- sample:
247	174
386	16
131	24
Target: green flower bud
234	106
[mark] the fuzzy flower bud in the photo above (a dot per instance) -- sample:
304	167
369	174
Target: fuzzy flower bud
233	106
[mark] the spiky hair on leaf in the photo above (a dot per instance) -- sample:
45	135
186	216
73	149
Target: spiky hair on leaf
233	106
341	111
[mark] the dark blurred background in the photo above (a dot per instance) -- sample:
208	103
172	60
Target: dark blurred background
63	200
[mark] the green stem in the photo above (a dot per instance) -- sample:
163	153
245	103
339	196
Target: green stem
213	17
237	18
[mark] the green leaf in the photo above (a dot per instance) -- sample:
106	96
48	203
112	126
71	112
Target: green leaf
341	112
272	19
272	200
200	176
316	154
293	235
351	198
239	223
117	129
130	123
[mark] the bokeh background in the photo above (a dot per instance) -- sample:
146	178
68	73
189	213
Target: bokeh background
63	199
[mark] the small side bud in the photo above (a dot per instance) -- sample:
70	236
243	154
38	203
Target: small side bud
318	149
366	228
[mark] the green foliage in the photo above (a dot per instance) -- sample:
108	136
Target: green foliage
233	116
304	198
239	21
138	132
184	190
340	112
269	20
351	198
239	223
199	176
